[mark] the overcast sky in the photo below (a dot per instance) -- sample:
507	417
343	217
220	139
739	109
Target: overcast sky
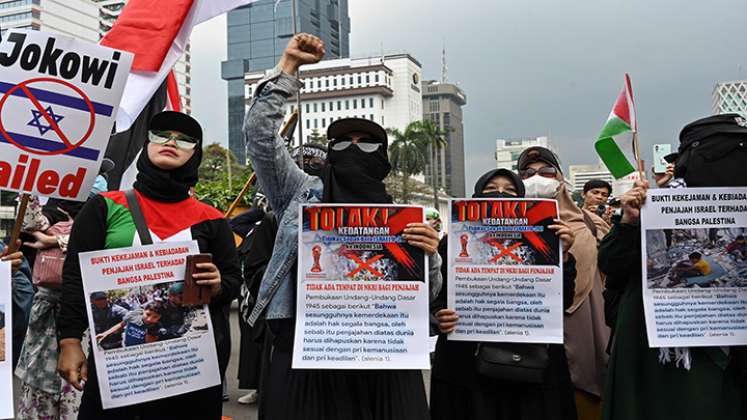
537	67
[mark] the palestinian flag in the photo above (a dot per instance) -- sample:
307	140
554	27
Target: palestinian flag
615	143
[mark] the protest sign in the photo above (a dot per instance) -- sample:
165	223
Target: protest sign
695	267
147	345
362	291
58	100
6	347
505	271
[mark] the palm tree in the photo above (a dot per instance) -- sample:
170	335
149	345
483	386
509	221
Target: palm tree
432	138
406	154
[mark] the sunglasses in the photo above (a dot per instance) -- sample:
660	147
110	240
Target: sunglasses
182	141
365	144
313	162
547	172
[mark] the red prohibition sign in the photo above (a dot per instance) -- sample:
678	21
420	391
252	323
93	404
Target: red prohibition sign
69	146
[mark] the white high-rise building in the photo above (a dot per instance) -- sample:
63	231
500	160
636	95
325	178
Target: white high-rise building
507	151
75	18
110	11
730	97
578	175
385	89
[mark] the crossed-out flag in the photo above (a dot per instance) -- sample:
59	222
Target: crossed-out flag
616	144
157	33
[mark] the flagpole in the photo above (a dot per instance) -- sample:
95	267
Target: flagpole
294	14
637	153
16	232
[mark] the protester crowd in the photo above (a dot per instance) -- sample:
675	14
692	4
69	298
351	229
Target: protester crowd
604	368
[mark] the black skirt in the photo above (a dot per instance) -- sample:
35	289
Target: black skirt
250	357
458	392
293	394
205	404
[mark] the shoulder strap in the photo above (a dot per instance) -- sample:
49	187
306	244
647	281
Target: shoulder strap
138	218
590	224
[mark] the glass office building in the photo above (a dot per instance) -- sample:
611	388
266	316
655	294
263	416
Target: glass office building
257	36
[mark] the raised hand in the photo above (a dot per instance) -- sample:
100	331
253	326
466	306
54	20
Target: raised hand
663	179
302	49
566	235
423	236
632	201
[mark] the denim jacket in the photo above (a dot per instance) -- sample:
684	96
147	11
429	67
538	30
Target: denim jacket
286	187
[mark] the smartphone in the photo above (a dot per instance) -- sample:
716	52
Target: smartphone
660	151
194	294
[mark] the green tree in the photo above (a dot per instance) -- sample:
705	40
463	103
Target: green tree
406	154
221	177
432	139
316	137
394	187
215	164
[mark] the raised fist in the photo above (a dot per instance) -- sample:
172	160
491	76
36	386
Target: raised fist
632	201
302	49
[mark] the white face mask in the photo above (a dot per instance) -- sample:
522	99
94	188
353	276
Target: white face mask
541	187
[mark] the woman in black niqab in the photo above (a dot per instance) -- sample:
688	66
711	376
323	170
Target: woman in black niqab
457	389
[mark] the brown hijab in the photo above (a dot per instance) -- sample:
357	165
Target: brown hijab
584	248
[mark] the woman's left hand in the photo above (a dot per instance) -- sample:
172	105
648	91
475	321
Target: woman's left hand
43	241
566	235
423	236
209	276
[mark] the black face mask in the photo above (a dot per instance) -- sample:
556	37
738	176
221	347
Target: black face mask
170	186
494	194
354	176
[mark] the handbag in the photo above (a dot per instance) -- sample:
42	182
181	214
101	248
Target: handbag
513	362
48	264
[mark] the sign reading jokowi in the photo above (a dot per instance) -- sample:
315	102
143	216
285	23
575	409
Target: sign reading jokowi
58	100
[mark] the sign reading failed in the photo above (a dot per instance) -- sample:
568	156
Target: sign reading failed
58	100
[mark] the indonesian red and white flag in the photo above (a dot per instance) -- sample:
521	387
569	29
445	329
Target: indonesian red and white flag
157	33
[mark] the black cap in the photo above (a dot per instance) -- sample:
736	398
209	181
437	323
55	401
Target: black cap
488	176
715	124
98	295
538	154
345	126
176	121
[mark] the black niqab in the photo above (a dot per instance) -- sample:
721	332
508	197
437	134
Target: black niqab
169	186
483	181
354	176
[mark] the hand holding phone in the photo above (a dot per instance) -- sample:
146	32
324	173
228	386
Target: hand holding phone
194	293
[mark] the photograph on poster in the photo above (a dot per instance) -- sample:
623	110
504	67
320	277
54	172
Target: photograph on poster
509	240
2	333
342	248
143	315
692	258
